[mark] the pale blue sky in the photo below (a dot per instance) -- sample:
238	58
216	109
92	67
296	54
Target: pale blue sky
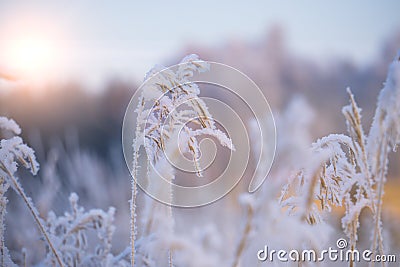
101	38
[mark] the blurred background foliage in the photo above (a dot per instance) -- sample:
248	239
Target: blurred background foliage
62	109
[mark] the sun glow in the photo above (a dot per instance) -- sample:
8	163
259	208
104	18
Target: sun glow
33	49
30	57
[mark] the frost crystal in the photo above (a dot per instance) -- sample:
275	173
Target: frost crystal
9	125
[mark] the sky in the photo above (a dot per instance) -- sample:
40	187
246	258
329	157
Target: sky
91	41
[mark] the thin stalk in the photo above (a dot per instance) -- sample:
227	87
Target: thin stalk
310	198
34	213
170	251
134	186
170	258
242	244
2	215
24	256
351	264
377	231
133	221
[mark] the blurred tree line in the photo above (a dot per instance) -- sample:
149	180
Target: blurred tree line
96	117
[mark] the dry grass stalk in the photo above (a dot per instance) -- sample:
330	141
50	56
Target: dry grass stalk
13	151
161	117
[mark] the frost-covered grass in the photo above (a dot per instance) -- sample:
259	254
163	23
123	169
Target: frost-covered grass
295	208
160	122
66	237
